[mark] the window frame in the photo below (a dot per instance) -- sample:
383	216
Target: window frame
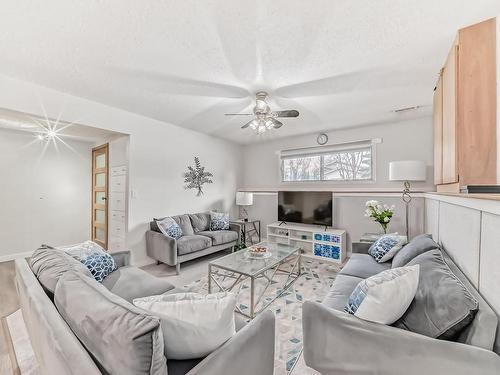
322	151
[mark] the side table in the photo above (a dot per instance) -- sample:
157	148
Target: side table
248	230
365	242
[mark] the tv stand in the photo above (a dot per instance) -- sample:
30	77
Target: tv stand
318	242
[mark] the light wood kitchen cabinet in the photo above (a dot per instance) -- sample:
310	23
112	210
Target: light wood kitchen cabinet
449	110
477	104
438	132
465	111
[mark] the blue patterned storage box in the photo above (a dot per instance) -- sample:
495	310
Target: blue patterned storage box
326	237
327	251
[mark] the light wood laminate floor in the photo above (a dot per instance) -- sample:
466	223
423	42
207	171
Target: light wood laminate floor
8	304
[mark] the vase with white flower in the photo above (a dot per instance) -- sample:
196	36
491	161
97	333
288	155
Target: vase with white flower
382	214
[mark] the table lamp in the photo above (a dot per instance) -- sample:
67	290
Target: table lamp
243	198
407	170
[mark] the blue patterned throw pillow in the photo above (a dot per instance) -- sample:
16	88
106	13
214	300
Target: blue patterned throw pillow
219	221
384	297
94	257
100	265
386	247
169	227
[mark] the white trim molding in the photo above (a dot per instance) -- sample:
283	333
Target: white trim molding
9	257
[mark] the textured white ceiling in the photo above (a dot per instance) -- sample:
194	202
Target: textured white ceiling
19	121
341	63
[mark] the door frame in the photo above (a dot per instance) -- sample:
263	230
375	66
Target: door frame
94	205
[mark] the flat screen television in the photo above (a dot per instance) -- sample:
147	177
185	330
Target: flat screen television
306	207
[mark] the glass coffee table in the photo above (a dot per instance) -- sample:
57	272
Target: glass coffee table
238	268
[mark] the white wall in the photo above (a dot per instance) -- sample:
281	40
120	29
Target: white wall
400	141
44	196
159	153
408	140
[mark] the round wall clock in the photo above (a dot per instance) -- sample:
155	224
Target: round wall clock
322	139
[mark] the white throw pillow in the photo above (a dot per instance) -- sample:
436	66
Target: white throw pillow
386	247
193	325
384	297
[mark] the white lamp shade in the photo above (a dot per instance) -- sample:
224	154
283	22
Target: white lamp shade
407	170
244	198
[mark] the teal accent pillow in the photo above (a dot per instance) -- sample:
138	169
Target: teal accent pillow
219	221
169	227
386	247
94	257
99	264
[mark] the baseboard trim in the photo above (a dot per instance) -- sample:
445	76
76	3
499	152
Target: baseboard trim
9	257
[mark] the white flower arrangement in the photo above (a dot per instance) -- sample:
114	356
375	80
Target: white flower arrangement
382	214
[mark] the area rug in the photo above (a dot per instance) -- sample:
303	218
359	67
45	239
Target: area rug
25	360
312	285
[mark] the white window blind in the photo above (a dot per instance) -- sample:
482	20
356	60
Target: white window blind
351	161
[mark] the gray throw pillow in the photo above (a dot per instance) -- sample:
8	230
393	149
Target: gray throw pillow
121	338
50	264
414	248
200	221
443	306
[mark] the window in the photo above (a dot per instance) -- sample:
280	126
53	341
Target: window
344	162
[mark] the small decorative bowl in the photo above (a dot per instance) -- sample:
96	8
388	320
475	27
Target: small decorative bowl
258	251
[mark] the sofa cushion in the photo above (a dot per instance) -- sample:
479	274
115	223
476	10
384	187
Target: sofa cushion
415	247
442	306
132	282
50	264
190	244
193	324
185	223
169	227
363	266
386	247
200	221
176	367
340	291
383	298
220	237
219	220
122	338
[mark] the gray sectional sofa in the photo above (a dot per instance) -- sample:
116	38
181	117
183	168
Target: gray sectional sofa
338	343
197	240
82	327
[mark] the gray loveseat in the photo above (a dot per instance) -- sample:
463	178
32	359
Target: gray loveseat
197	240
338	343
62	347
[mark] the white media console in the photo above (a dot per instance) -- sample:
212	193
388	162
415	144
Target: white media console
316	242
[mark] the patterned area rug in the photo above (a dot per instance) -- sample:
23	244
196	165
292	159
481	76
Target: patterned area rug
313	284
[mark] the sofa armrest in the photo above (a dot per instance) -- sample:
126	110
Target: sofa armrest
121	258
249	352
360	247
237	228
161	247
356	346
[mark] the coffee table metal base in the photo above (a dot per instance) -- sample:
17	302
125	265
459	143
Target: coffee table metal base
217	272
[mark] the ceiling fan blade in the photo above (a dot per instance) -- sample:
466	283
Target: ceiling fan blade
287	113
277	124
247	124
238	114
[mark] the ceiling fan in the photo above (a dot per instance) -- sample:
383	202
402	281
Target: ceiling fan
265	119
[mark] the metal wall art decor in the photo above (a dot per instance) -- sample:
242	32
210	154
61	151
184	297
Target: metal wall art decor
196	177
